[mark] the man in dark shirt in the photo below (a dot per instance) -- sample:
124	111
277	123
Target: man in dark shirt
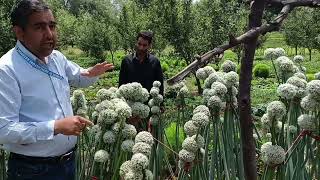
141	66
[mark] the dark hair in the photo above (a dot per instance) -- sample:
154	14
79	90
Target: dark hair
24	9
147	35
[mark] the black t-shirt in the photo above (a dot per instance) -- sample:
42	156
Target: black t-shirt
144	73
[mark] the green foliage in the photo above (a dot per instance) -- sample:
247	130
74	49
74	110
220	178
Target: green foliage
261	70
302	27
171	134
310	77
94	36
263	91
7	40
230	55
67	29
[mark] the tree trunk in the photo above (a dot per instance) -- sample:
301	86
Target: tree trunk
296	49
246	123
188	61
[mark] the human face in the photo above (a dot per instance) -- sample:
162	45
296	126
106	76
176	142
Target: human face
39	35
143	46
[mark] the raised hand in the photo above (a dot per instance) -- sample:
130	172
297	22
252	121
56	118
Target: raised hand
71	125
97	69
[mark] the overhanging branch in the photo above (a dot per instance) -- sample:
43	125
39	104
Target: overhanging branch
201	61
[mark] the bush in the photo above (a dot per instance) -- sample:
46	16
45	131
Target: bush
165	67
310	77
261	70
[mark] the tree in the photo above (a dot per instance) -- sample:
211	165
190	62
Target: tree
301	28
7	39
67	28
94	36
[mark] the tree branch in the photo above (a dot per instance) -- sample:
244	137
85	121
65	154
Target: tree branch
201	61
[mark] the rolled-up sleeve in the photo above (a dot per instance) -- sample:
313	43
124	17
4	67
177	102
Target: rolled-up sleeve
73	72
11	130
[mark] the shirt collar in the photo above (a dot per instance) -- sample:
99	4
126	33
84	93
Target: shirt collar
135	58
29	54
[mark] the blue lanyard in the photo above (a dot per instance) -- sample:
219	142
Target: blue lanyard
35	65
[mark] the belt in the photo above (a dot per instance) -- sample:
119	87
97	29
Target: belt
49	160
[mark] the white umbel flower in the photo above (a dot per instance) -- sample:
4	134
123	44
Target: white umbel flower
145	137
203	109
265	121
300	75
209	70
142	147
264	147
101	156
104	94
151	103
270	54
313	88
129	131
279	52
190	144
104	105
276	110
116	127
127	145
107	116
149	175
219	89
125	168
300	83
139	161
109	137
200	119
228	66
139	109
144	95
201	74
113	89
230	79
307	122
199	139
156	84
298	59
183	92
122	109
273	155
309	103
133	175
207	93
190	128
158	99
186	156
214	77
287	91
285	64
215	103
154	91
155	110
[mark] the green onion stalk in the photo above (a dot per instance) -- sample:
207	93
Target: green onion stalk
231	142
